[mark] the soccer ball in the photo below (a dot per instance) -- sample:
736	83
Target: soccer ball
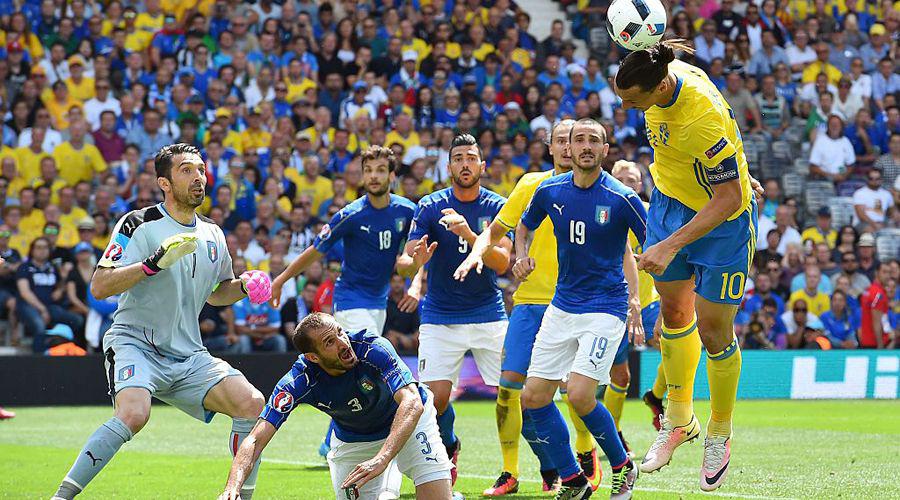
636	24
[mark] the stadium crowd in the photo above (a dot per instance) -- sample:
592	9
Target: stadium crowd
281	97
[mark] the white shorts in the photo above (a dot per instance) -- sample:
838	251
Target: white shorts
579	343
423	459
443	347
354	320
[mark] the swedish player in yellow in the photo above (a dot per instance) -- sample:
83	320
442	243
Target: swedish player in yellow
530	301
629	174
700	243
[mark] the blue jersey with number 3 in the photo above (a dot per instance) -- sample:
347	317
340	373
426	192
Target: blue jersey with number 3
477	299
361	401
591	227
373	237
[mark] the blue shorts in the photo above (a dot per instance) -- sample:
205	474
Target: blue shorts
524	323
718	262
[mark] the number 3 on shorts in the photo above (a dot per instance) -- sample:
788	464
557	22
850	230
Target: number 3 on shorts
732	285
423	439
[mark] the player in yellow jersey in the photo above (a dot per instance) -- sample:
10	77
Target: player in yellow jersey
700	242
620	376
530	301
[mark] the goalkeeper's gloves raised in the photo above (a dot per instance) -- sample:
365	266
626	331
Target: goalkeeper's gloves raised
172	248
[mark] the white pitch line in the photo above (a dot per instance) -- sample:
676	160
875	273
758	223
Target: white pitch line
529	480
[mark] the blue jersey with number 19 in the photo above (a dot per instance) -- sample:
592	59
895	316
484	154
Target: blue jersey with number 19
591	227
477	299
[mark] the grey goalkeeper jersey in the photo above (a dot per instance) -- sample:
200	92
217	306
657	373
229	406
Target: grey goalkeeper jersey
161	312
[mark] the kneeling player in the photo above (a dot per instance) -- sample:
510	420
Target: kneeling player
381	415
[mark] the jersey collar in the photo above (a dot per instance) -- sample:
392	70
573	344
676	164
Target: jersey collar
678	82
162	206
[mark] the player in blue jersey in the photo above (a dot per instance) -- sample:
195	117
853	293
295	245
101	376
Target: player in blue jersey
382	417
373	230
457	316
582	328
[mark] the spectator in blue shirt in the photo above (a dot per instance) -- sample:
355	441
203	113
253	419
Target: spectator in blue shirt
841	323
884	81
763	62
553	74
877	48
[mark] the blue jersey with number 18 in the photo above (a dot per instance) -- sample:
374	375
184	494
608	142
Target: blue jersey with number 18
477	299
591	227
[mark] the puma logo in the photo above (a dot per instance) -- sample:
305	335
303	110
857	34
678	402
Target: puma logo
594	362
433	459
323	405
93	460
559	208
365	228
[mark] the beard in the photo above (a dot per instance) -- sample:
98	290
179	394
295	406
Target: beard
381	190
189	199
588	164
457	180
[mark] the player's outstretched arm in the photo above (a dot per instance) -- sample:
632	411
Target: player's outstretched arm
296	267
109	281
726	199
409	410
635	323
246	456
483	243
416	254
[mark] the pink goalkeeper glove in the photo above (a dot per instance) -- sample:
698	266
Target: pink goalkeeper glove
257	286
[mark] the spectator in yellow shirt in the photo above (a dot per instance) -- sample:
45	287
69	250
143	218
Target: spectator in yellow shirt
70	215
29	158
49	177
9	170
254	137
80	161
219	131
59	104
817	301
403	133
821	65
32	219
297	83
12	218
410	42
311	184
822	232
152	19
136	39
80	87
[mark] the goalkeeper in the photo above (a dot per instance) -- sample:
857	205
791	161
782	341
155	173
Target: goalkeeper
167	261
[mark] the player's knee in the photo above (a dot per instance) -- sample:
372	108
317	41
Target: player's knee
675	316
582	401
133	416
715	330
620	375
253	406
535	399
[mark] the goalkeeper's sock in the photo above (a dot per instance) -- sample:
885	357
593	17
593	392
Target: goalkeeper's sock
445	426
681	349
614	400
723	370
552	430
97	452
603	428
509	423
659	385
537	446
240	428
584	442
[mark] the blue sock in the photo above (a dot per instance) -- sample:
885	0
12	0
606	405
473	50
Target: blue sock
328	433
552	431
445	425
537	447
601	424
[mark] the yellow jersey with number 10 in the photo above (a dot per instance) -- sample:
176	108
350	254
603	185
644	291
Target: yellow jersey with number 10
691	136
541	283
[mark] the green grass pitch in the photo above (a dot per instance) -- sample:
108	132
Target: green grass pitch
782	449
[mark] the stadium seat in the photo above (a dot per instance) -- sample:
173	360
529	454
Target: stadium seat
887	244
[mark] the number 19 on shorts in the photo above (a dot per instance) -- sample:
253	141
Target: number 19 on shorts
732	285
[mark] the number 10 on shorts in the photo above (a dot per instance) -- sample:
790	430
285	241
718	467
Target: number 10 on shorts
732	285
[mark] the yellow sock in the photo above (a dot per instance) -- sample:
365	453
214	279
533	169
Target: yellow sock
584	441
681	354
659	385
509	426
614	401
723	370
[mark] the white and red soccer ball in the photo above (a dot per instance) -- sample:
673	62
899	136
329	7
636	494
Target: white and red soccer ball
636	24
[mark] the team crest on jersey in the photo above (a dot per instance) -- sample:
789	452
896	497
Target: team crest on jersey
114	252
483	223
399	223
283	402
664	133
126	372
212	251
366	384
602	214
